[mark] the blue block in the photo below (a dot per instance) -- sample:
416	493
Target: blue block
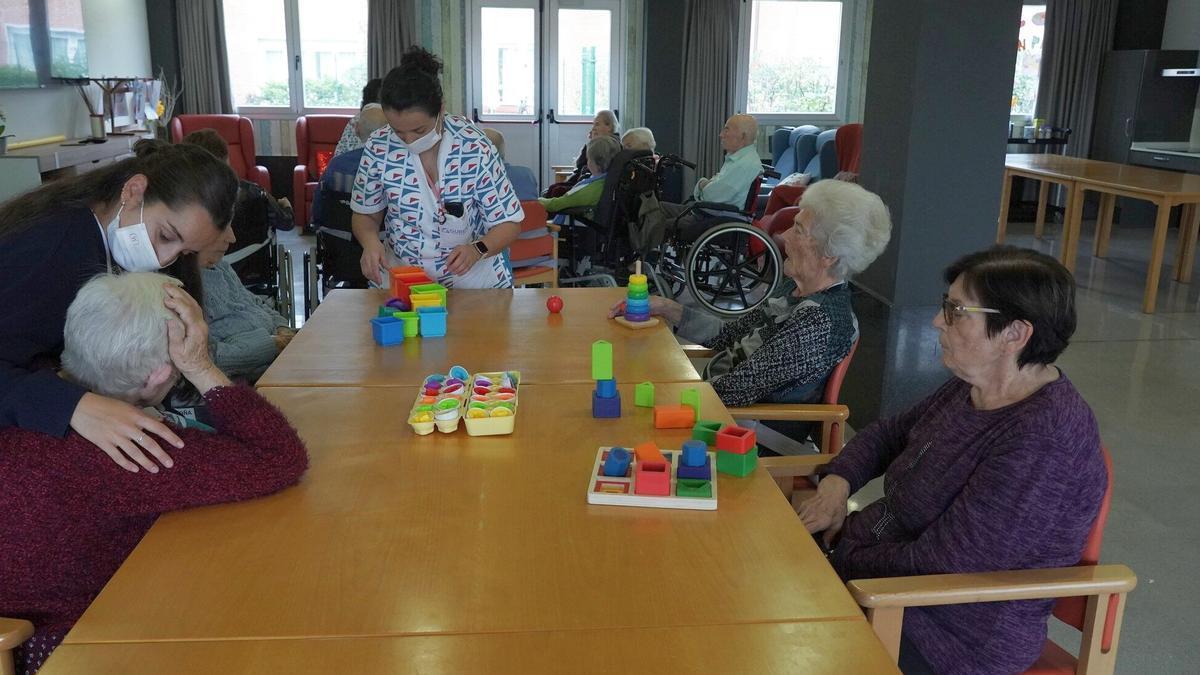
387	330
433	321
606	407
695	453
702	472
616	464
606	388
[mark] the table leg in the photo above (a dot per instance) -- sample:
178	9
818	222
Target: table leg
1108	203
1043	194
1189	230
1156	256
1070	236
1005	194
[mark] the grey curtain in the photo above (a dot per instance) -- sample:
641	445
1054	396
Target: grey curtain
709	78
203	63
391	29
1078	33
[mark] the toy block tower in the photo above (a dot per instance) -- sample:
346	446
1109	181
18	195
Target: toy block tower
606	400
637	301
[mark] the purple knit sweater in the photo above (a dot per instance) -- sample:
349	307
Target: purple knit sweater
973	491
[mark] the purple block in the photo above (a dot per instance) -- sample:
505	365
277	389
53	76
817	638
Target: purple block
695	472
637	318
398	304
606	407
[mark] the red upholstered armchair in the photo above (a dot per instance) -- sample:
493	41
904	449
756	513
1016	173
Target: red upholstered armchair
237	132
316	138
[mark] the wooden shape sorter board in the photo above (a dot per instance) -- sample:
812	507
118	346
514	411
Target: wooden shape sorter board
619	490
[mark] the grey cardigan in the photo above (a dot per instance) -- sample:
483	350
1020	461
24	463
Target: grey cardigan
241	326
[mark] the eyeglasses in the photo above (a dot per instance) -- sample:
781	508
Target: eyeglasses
951	311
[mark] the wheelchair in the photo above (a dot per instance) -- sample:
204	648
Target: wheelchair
335	261
262	264
721	258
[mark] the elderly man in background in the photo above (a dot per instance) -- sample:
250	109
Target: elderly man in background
523	180
730	185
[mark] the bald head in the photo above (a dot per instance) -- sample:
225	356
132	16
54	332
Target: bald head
496	138
370	119
738	132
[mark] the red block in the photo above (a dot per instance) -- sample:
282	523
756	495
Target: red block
735	439
405	277
674	417
652	478
648	452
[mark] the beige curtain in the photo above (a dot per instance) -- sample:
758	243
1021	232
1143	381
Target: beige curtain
203	64
709	81
391	29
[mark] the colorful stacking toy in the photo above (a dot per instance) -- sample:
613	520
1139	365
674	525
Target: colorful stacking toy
637	302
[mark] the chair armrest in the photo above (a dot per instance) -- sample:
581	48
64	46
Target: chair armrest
792	412
14	632
716	206
698	351
953	589
300	215
260	175
794	466
553	226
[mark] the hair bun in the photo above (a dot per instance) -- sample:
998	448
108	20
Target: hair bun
149	146
421	60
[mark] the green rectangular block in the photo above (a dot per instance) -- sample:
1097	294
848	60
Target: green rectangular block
737	465
700	489
706	431
411	323
643	395
384	310
602	360
691	398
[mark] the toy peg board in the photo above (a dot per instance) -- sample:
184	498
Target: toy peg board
651	323
619	490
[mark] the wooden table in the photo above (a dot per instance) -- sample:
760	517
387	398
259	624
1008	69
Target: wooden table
487	330
1165	189
393	534
783	648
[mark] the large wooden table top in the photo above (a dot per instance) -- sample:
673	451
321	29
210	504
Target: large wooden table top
784	648
487	330
394	534
1097	174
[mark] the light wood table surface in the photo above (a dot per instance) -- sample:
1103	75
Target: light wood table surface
393	534
783	648
1165	189
487	330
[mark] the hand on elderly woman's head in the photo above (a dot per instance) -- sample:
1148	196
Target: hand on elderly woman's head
187	336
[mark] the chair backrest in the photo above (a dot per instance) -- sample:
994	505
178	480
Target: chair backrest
848	145
773	224
806	149
750	205
609	208
827	153
537	247
833	386
316	134
781	143
1071	611
237	132
816	166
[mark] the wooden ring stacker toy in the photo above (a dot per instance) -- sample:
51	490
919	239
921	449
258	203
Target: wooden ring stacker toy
637	325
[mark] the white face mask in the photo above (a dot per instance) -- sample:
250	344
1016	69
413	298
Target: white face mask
130	245
427	141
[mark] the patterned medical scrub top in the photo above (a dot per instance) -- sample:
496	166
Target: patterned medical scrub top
391	178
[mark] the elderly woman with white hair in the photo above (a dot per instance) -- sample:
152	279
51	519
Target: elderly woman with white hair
71	515
638	138
604	124
784	350
587	192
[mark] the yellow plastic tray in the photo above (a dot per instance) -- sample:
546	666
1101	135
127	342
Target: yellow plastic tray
493	426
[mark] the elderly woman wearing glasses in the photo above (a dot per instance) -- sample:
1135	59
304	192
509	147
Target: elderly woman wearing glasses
999	469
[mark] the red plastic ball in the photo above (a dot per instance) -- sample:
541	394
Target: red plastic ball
554	304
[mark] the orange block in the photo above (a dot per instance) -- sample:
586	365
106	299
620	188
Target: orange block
674	417
648	452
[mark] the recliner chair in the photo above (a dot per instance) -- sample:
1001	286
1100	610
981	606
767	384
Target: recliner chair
315	135
237	132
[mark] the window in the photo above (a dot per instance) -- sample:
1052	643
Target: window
1029	59
507	49
39	40
584	40
301	55
68	48
794	56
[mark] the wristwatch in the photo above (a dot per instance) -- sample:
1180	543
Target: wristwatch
481	248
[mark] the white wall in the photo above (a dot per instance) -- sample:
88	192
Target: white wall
1181	30
118	45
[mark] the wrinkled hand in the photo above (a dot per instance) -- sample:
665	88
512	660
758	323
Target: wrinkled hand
187	336
826	510
283	336
123	432
372	261
462	259
659	306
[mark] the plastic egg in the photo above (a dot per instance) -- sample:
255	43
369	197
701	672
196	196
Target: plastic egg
476	413
460	373
501	411
422	417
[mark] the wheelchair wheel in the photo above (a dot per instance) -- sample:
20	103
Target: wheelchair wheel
725	273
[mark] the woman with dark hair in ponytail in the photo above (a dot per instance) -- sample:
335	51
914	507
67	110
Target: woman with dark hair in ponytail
435	184
153	211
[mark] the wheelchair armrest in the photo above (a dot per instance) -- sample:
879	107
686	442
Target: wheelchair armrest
716	206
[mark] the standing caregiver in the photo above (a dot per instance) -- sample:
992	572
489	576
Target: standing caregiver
436	185
151	211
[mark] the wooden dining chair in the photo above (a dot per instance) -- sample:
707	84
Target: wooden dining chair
13	633
1090	597
538	242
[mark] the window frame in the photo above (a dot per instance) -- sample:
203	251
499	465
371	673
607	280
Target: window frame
294	53
848	48
472	32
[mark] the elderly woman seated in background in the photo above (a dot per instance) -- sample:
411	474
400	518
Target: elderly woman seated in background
784	350
71	514
638	138
1000	469
587	192
604	124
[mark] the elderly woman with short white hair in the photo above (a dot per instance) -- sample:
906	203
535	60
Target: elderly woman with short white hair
638	138
784	350
71	515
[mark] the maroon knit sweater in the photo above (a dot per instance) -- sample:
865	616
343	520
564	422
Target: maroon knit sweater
71	515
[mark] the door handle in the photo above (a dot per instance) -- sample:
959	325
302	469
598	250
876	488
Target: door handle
551	118
1157	158
1128	121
